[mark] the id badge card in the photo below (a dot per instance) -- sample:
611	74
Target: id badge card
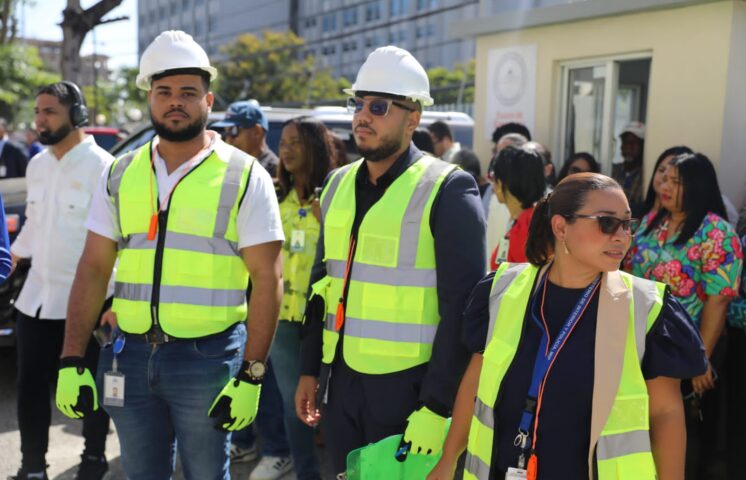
515	474
114	389
297	241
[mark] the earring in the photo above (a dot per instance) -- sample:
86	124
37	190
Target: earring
564	245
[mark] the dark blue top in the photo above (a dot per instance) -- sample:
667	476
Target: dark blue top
673	348
5	262
458	227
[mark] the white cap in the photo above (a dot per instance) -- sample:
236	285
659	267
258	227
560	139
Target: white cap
635	128
395	71
171	50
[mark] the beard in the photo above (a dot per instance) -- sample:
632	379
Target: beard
189	132
386	149
53	137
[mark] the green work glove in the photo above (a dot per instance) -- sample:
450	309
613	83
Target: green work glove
76	389
236	405
425	432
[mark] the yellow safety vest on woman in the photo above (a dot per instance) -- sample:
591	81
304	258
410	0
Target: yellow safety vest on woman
190	279
622	447
302	233
391	313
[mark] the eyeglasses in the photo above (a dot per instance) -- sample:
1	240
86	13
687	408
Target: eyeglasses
610	225
231	131
378	107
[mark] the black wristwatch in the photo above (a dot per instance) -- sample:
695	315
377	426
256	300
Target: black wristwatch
253	371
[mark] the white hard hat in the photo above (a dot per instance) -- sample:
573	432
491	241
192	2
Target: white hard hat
172	49
395	71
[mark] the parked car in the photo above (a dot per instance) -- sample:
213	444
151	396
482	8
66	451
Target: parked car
13	191
336	119
106	137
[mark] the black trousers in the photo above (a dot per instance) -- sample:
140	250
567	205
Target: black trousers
736	429
39	345
363	409
705	434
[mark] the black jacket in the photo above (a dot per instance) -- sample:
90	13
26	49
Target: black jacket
15	159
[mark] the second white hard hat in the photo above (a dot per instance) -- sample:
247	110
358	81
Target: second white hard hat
395	71
171	50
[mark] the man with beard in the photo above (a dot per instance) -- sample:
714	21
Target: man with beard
60	182
401	246
188	218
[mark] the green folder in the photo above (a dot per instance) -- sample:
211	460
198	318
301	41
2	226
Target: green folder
376	461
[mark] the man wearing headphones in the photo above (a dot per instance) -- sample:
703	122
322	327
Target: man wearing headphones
60	182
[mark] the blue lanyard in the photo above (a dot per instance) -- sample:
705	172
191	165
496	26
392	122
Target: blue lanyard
545	357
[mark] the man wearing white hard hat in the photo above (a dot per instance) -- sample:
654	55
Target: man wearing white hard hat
188	218
401	246
633	145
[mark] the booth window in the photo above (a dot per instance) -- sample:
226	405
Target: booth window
600	97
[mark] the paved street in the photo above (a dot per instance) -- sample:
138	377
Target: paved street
65	440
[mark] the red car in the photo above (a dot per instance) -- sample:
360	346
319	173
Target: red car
106	137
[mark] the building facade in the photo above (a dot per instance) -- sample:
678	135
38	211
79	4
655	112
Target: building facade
338	33
577	72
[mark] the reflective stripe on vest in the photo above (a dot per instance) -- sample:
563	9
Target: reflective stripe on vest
203	279
623	449
393	270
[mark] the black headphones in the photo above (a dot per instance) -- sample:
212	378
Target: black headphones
78	110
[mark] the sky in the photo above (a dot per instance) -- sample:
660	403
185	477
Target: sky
118	40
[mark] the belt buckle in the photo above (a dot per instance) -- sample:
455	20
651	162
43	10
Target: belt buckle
155	336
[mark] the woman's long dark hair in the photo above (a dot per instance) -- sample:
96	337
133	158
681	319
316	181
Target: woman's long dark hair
650	196
590	160
702	195
567	199
317	151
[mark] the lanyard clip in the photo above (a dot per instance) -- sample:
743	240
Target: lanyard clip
521	440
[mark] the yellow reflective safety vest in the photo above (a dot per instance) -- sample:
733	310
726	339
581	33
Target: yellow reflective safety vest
622	449
299	251
391	312
190	280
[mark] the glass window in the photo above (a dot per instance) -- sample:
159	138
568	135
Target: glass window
373	11
329	23
600	99
425	4
399	7
349	17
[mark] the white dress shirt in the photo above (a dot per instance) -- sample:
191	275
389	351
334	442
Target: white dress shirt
258	220
57	202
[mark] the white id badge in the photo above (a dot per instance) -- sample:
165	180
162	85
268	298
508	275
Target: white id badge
297	241
515	474
114	389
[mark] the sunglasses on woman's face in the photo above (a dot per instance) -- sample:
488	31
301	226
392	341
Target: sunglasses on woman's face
610	225
378	107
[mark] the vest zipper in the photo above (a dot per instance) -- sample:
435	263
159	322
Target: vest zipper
159	247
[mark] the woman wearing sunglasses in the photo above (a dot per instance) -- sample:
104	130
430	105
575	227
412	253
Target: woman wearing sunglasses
306	151
517	176
576	365
689	246
579	163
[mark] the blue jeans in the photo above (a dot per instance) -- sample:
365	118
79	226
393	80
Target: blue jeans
169	389
286	358
269	423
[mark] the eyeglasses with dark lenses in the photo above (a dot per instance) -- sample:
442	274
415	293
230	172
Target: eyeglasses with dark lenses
376	106
610	225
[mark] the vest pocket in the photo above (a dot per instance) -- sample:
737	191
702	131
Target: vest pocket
629	412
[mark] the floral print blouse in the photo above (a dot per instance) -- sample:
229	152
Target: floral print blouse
709	263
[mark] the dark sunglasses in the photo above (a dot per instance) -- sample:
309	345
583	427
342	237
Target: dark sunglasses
610	225
377	106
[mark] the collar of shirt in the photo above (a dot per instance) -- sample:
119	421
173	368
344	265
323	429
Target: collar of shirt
397	168
77	152
160	163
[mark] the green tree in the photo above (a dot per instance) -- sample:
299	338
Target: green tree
273	69
22	73
446	85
